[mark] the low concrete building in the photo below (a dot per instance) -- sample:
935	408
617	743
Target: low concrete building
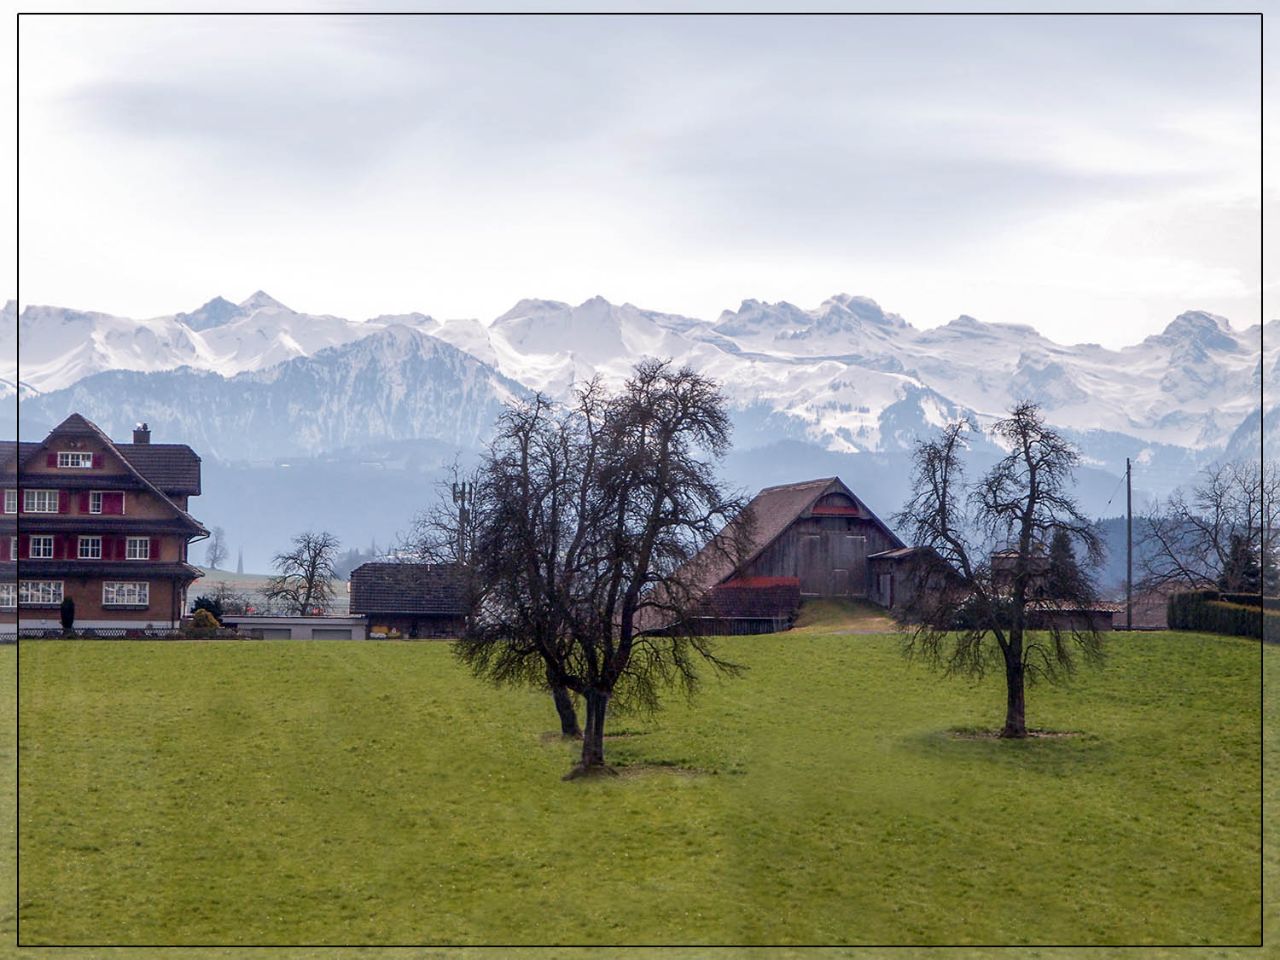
298	628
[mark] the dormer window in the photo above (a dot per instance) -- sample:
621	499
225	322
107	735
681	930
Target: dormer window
75	459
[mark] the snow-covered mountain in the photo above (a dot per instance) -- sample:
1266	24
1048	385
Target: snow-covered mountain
60	347
394	385
845	376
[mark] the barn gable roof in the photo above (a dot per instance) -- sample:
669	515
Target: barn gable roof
769	514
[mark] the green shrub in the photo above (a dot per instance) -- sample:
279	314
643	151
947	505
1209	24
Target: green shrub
1202	610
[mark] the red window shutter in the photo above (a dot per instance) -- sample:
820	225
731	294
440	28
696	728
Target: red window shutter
97	460
84	503
64	501
113	503
155	548
120	548
58	551
51	460
24	546
4	549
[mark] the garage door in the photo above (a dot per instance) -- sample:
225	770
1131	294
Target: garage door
331	633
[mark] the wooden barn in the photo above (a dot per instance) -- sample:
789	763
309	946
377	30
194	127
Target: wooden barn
809	539
414	599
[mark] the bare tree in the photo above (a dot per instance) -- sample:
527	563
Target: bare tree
216	551
305	579
447	531
964	604
588	522
1190	539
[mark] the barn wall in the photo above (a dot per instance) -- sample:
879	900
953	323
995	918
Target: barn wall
828	554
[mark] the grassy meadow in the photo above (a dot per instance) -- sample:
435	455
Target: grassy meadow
345	792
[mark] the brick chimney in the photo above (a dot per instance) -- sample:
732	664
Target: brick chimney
142	433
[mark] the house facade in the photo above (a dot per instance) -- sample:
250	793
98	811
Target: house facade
100	522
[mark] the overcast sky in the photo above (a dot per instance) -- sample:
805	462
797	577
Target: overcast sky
1092	176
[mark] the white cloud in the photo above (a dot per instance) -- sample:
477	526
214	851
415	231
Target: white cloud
1093	177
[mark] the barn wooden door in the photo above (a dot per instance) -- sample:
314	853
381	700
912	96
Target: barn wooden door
812	566
849	571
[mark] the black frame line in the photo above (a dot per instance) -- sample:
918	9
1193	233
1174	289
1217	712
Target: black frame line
651	14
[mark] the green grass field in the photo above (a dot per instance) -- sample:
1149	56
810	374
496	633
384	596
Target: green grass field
269	792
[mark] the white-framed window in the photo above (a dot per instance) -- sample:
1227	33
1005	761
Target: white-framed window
39	591
90	548
41	548
13	548
8	596
40	501
80	461
125	593
95	501
137	548
10	501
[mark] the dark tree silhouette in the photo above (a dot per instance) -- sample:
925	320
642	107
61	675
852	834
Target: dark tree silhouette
305	579
1063	577
446	532
589	522
1189	540
963	605
1242	572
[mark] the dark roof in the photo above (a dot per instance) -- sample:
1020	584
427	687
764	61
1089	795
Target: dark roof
173	467
10	448
125	569
408	588
897	553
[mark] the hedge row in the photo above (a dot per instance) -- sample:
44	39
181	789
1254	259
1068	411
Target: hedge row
1203	611
1250	600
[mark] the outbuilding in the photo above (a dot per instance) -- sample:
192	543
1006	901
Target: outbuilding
414	600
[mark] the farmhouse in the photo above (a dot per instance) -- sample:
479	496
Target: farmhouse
100	522
808	539
413	599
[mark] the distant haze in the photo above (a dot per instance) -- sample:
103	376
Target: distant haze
1093	177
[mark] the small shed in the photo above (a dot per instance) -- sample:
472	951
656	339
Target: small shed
416	600
897	574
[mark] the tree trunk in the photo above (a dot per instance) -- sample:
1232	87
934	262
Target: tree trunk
564	707
592	761
1015	718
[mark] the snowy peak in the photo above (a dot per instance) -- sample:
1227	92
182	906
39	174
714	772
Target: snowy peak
590	330
860	309
213	314
261	300
1198	328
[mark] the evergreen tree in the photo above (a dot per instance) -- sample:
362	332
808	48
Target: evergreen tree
1241	573
1063	577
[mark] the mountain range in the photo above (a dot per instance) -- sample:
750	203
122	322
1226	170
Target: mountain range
254	382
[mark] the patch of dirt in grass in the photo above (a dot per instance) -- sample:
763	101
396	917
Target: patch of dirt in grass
555	736
978	733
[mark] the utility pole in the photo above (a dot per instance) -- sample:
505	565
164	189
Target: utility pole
1128	580
460	493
